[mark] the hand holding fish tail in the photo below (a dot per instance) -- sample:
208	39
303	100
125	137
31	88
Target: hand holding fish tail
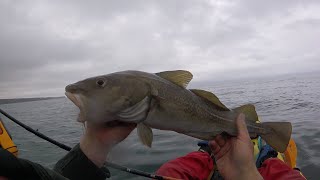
99	139
234	155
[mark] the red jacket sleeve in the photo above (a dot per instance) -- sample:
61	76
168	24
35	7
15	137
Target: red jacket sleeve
195	165
275	169
198	166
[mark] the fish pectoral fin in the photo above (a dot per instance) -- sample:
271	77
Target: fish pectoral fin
178	77
250	112
145	134
210	97
137	112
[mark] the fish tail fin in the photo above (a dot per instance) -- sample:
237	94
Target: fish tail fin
277	134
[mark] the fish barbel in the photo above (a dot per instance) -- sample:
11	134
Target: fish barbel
162	101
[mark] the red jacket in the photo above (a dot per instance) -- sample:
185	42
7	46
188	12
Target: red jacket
198	165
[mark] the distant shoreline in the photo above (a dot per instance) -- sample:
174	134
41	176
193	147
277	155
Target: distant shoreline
19	100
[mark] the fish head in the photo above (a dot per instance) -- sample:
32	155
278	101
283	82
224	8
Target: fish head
101	98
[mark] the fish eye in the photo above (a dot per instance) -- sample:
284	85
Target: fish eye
100	82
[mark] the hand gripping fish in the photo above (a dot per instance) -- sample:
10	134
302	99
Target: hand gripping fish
162	101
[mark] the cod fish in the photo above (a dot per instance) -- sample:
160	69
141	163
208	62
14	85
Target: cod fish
162	101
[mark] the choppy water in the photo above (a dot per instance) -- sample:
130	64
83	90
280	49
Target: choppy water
294	98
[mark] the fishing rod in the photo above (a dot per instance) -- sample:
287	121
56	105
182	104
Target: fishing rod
67	148
40	135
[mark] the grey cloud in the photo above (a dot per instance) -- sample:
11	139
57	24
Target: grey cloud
44	45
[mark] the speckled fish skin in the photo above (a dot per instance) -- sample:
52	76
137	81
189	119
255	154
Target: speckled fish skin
151	100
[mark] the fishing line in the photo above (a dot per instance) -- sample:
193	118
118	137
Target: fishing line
67	148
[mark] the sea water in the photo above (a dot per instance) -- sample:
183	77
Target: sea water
294	98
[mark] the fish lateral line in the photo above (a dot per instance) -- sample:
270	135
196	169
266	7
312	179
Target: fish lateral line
254	126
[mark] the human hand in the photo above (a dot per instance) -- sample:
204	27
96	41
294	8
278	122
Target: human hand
234	155
99	139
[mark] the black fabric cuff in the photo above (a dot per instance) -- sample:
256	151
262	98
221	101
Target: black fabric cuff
15	169
76	165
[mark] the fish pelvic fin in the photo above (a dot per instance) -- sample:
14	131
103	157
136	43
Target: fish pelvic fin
249	111
145	134
277	134
178	77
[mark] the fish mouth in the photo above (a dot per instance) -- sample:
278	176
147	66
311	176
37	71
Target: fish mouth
75	98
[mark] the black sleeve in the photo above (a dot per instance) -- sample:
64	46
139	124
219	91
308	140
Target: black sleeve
15	168
76	165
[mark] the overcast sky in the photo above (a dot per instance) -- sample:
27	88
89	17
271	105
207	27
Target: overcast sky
45	45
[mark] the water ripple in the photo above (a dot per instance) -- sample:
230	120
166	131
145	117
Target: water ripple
294	99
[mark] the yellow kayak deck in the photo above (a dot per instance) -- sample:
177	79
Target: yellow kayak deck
6	141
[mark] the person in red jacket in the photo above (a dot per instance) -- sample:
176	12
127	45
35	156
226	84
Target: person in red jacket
234	159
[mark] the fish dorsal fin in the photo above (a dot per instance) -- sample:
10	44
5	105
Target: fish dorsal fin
178	77
249	110
210	97
145	134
